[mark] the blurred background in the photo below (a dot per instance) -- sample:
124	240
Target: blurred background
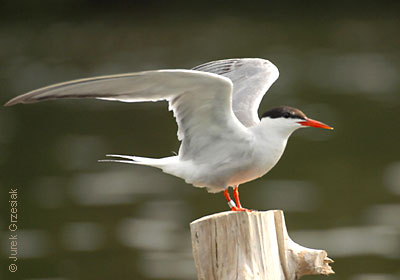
79	219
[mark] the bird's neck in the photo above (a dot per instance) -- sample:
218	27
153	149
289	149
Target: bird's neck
272	131
270	142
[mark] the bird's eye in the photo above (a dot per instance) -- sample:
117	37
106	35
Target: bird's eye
286	115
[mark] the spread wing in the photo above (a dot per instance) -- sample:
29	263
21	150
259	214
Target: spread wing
201	102
251	78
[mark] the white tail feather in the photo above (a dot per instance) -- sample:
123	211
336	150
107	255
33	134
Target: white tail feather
116	160
155	162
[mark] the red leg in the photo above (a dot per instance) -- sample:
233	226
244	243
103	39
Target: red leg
234	206
238	204
236	196
231	203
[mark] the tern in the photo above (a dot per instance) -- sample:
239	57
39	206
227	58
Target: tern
224	143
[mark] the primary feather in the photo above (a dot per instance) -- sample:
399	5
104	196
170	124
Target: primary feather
251	78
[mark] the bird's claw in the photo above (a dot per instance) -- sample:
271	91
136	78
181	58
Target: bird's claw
241	209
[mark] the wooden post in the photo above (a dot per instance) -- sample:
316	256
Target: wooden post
251	245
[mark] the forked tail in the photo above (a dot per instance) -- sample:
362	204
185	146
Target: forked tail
154	162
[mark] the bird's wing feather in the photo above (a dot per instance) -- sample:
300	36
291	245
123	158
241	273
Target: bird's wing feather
251	78
201	102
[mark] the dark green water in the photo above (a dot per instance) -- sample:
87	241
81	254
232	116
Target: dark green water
79	219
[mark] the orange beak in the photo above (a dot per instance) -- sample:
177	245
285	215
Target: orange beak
314	123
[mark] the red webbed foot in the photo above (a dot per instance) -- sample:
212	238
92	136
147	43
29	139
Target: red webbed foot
234	208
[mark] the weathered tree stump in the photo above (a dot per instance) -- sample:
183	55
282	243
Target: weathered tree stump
255	245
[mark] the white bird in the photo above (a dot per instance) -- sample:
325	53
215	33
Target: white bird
224	142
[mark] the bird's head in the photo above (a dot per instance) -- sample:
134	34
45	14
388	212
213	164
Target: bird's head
288	119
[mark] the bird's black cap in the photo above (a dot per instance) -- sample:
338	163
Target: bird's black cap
284	112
